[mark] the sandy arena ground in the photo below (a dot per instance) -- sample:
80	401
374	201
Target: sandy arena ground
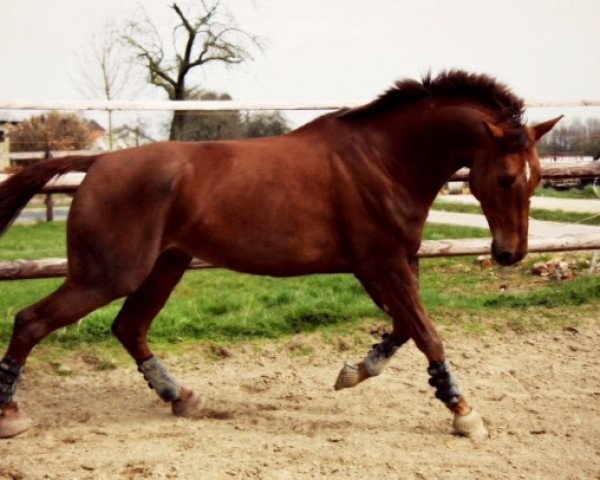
272	414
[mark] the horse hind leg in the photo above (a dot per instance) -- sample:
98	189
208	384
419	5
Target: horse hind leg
372	365
133	323
65	306
380	354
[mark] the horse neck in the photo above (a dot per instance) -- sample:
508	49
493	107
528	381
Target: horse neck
420	150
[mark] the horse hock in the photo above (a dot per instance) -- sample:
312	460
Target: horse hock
467	422
184	402
12	419
371	366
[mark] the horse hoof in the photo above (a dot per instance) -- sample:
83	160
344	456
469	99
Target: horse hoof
13	421
470	425
189	405
349	376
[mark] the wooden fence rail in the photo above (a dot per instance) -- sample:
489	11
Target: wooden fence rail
56	267
549	171
50	268
583	170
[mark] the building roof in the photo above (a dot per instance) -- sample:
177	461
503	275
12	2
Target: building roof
95	126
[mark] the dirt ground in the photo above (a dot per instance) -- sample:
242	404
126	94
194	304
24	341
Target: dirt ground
272	414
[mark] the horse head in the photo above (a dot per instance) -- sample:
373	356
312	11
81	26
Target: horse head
504	175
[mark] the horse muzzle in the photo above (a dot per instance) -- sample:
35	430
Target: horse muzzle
506	256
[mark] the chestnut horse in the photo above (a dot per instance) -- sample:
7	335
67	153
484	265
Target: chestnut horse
348	192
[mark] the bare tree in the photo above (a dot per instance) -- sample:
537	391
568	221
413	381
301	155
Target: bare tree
200	126
264	124
215	125
206	35
106	70
575	138
132	134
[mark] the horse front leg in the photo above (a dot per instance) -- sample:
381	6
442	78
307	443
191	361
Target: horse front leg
395	289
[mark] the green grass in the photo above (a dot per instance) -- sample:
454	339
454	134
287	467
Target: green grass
224	307
27	242
441	231
586	192
459	293
536	213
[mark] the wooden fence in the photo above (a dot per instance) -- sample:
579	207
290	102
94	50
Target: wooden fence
67	185
588	170
56	267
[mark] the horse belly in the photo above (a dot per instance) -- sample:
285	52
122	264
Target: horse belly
282	246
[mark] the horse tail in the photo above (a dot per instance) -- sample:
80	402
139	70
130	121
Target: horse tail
18	189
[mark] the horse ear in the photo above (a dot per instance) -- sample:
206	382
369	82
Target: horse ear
493	131
542	128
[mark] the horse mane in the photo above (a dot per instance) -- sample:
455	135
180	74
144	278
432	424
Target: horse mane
479	88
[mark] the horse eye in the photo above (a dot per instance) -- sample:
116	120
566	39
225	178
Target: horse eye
507	181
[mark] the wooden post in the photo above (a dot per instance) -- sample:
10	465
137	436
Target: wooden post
49	207
48	201
595	259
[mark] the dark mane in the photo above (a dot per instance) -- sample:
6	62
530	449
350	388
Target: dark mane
479	88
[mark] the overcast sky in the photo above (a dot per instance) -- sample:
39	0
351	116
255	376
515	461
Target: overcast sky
329	49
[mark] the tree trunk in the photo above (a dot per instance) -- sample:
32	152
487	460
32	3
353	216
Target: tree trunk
177	125
178	121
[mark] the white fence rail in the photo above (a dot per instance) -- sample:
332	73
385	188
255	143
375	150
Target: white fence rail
220	105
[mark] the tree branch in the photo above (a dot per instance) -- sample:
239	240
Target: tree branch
210	35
